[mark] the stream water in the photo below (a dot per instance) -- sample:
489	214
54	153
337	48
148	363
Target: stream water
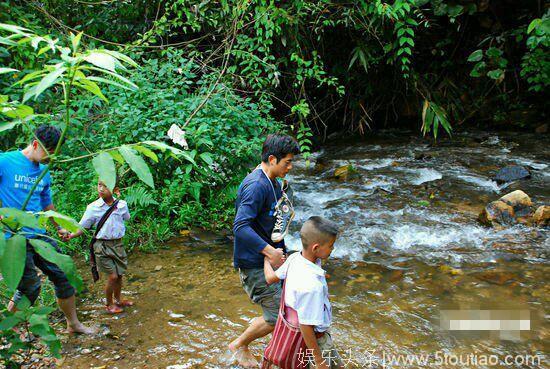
410	247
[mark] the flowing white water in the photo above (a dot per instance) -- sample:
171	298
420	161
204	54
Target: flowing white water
387	209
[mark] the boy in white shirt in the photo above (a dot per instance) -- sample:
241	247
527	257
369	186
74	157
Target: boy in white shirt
111	257
306	290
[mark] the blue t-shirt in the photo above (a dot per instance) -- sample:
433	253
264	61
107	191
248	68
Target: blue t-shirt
254	220
17	176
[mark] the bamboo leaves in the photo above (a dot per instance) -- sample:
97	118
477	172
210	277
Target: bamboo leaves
434	116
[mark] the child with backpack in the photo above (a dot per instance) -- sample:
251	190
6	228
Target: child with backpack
301	338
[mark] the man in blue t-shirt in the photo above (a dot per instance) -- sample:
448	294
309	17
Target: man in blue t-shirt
254	223
19	171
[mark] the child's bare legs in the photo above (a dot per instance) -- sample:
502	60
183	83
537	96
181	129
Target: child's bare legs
110	288
258	328
117	294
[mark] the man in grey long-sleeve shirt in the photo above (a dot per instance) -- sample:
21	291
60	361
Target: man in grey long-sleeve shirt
254	222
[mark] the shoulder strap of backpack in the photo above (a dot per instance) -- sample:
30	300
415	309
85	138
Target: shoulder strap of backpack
104	217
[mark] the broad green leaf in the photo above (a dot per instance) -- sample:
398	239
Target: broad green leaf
147	152
22	218
63	220
116	75
121	56
495	74
91	87
17	111
533	25
30	76
101	60
48	81
7	41
105	167
174	150
14	29
7	70
476	56
108	81
137	164
13	260
207	157
64	262
9	125
9	322
493	52
116	155
40	326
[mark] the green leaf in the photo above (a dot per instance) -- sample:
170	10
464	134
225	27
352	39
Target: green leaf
493	52
476	56
7	41
63	220
18	111
9	125
9	322
495	74
207	157
533	25
105	167
116	155
14	29
40	326
138	165
48	80
121	56
7	70
101	60
75	41
13	260
64	262
108	81
22	218
91	87
131	85
174	150
147	152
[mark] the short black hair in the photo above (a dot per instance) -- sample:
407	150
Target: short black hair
279	146
48	135
316	230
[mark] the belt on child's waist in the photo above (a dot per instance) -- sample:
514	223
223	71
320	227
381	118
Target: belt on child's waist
105	240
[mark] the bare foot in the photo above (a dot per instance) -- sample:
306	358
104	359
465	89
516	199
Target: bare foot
81	329
125	303
243	356
114	309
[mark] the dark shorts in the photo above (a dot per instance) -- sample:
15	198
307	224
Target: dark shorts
29	285
110	256
268	296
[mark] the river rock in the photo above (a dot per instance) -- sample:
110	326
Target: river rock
520	201
542	215
507	209
343	172
511	173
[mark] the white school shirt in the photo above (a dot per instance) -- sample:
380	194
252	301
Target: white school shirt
114	227
306	291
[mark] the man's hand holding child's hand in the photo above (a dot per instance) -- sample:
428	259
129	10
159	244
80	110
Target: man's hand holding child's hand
276	257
